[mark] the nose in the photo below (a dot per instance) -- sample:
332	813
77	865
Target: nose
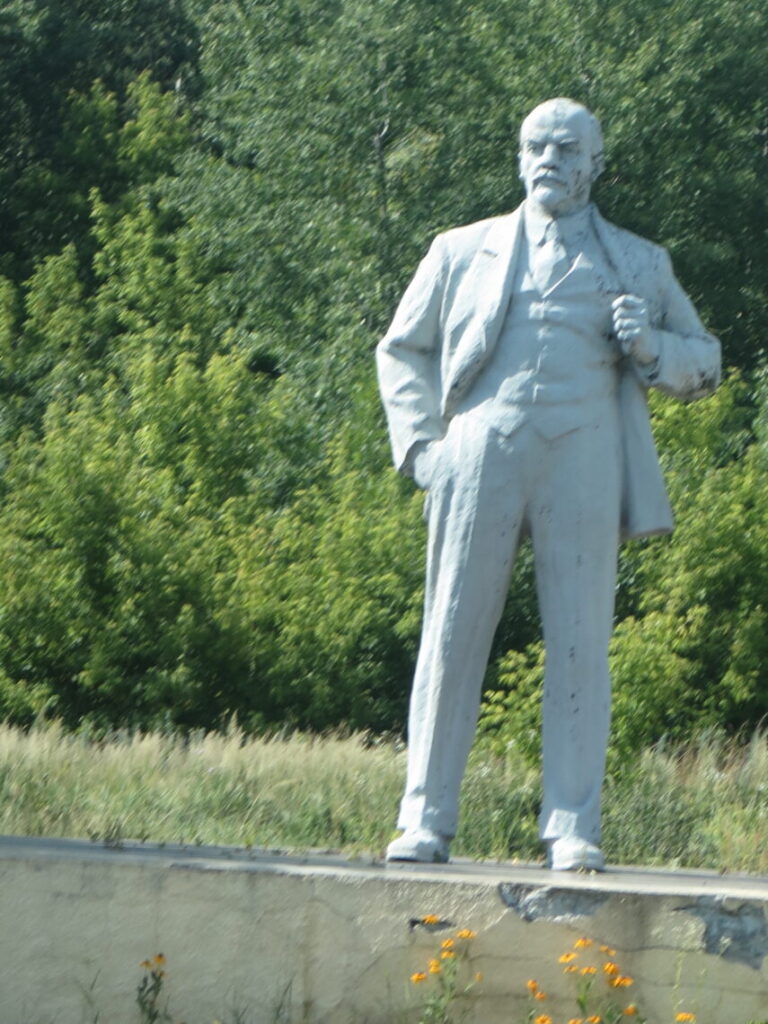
551	154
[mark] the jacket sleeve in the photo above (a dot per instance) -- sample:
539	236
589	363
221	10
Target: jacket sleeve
688	366
408	361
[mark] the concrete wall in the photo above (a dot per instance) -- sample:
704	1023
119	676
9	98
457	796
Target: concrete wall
322	940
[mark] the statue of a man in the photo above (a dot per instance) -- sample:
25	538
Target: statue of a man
514	377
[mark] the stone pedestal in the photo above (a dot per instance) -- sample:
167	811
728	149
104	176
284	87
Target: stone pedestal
325	940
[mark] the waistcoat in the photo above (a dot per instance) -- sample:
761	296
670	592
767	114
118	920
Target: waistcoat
555	363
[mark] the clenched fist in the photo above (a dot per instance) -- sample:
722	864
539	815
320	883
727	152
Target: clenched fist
633	329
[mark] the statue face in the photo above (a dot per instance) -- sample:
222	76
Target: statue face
556	162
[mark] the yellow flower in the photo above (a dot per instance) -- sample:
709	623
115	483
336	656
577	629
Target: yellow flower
582	943
566	958
571	969
466	933
146	965
418	977
631	1010
588	970
543	1018
541	996
447	954
430	919
159	960
686	1018
610	967
447	944
622	981
434	966
576	1020
608	951
595	1019
479	977
531	985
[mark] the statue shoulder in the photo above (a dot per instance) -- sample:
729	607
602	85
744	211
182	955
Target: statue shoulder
636	256
639	247
469	238
460	244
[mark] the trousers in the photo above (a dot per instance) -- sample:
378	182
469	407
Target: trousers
486	490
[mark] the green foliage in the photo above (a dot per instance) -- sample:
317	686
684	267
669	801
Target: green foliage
66	68
208	210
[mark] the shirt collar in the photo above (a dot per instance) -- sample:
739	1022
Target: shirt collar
537	223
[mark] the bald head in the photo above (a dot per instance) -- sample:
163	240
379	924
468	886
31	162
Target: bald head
561	154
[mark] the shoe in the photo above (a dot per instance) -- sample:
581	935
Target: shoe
420	844
573	854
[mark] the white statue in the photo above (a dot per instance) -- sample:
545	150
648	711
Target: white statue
514	377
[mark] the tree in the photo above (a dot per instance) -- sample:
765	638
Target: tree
208	210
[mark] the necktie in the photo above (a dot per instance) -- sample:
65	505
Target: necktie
550	260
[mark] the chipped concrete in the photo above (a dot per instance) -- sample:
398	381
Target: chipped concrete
551	903
325	940
733	930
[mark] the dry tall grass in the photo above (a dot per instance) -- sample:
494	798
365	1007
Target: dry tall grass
213	788
702	806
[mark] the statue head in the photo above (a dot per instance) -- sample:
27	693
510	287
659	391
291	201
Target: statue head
561	154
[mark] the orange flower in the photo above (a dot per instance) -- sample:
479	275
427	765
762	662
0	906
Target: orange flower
686	1018
159	960
622	981
610	967
479	977
576	1020
447	954
543	1018
447	944
146	965
434	967
567	958
430	919
631	1010
531	985
541	996
608	951
583	943
466	933
571	969
595	1019
418	977
588	970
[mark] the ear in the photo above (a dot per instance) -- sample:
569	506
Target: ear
598	165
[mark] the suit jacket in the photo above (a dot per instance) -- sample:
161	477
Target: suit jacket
450	318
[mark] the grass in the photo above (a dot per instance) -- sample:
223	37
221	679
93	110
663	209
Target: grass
702	806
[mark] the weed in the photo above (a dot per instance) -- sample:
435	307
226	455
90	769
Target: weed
598	982
150	990
447	977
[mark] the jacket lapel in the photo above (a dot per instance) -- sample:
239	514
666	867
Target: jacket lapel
480	305
629	261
